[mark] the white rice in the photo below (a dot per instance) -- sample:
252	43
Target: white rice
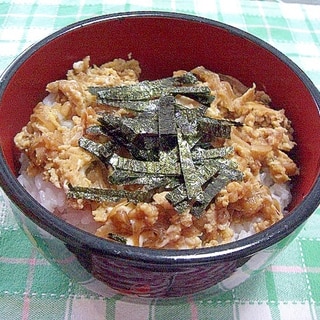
54	200
279	191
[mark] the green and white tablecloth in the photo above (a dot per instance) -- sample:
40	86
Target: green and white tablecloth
30	288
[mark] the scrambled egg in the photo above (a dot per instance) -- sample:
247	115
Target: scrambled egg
50	139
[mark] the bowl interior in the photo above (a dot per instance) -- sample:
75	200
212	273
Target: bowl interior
163	44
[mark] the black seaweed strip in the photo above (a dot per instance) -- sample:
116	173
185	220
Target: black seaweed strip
153	167
101	195
190	173
102	151
212	189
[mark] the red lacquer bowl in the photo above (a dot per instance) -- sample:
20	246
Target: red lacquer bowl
161	42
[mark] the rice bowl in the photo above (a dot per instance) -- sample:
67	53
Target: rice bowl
109	267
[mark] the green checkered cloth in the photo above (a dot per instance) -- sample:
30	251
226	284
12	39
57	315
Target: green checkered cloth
30	288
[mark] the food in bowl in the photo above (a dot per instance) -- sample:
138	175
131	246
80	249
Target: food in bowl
193	160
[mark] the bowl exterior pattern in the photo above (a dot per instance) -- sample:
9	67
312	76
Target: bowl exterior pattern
109	276
156	281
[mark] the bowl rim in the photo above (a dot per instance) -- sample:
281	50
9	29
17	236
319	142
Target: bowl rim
82	240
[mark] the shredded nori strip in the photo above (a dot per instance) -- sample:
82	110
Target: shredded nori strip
96	130
130	127
186	78
102	151
124	177
212	128
145	90
187	119
111	195
139	136
167	130
169	145
202	92
153	167
199	154
177	195
212	189
190	173
137	106
117	238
